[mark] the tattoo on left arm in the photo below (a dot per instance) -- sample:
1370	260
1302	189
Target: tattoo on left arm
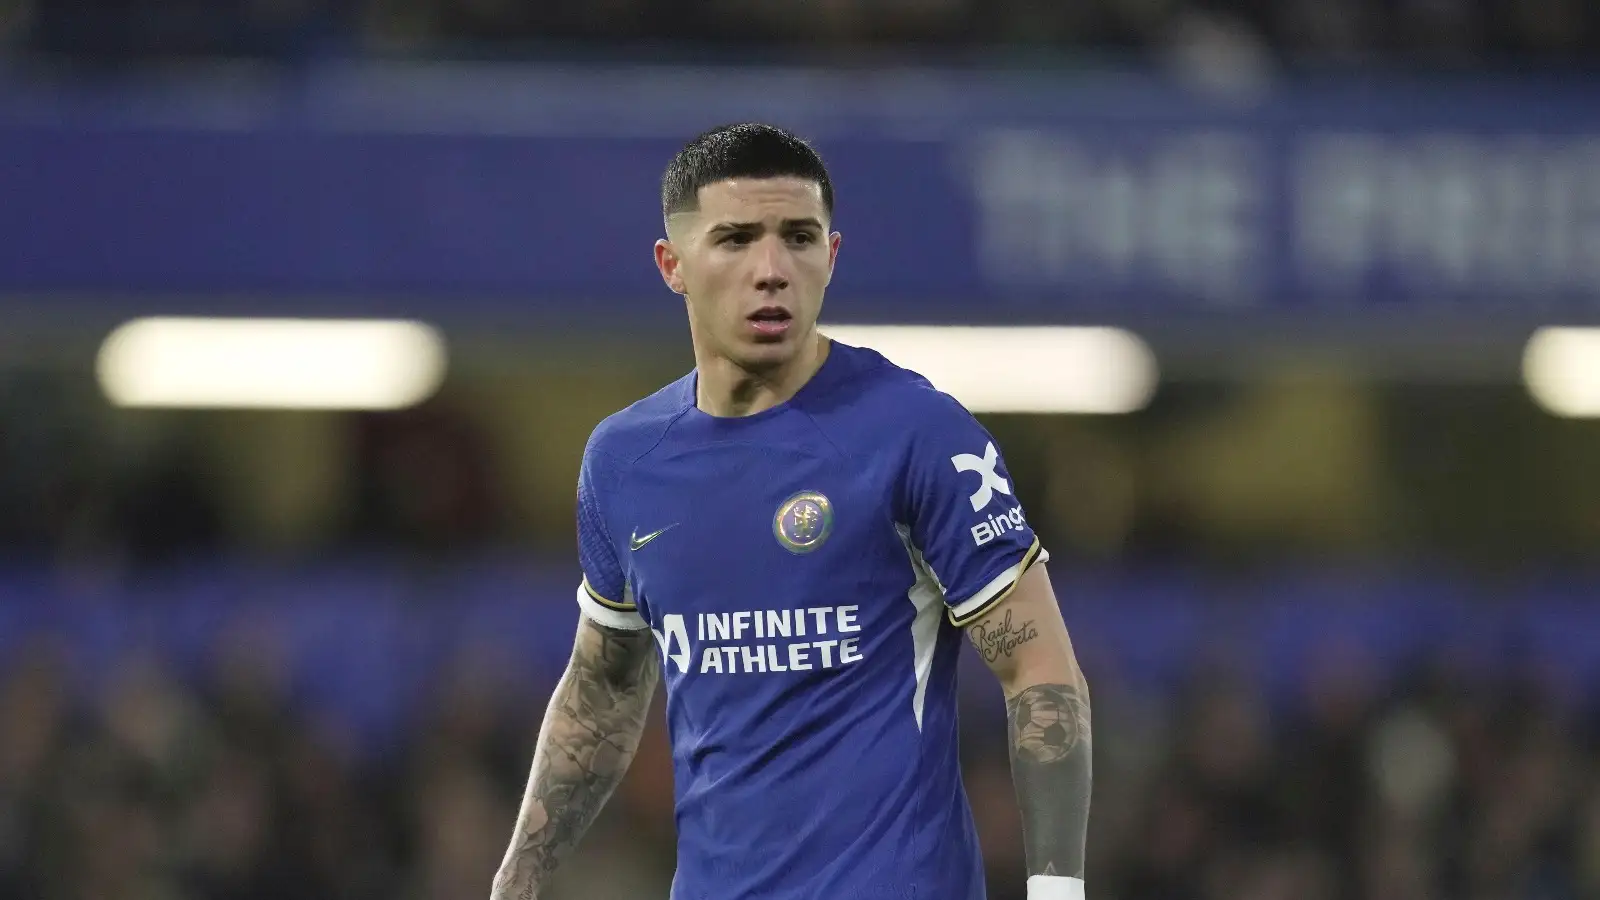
1051	767
1000	639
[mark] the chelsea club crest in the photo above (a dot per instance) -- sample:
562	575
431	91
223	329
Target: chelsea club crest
803	522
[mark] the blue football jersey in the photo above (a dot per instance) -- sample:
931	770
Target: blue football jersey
805	570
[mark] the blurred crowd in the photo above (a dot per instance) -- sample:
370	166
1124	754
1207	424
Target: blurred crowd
156	785
1296	31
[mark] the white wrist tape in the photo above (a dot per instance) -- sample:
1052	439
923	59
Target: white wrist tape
1054	887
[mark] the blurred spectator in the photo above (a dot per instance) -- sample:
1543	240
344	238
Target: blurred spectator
111	30
161	786
1406	32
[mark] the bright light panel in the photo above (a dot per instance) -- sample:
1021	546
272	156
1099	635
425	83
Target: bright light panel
271	363
1561	367
1020	370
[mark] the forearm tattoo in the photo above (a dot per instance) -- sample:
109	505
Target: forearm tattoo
590	733
1051	766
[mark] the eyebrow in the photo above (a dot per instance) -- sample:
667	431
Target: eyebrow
788	225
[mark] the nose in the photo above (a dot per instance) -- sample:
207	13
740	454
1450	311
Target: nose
772	270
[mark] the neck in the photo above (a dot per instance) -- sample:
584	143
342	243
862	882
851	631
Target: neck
725	389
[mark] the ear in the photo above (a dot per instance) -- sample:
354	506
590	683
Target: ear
834	240
670	266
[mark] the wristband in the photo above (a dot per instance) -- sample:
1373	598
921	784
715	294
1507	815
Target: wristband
1054	887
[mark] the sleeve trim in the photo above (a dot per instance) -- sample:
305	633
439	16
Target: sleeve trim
596	596
625	620
991	594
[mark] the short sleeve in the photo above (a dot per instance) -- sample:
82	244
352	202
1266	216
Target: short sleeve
604	595
967	529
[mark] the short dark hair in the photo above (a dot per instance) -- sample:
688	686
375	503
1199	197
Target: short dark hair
744	150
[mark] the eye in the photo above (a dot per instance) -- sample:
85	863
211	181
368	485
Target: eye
738	238
803	237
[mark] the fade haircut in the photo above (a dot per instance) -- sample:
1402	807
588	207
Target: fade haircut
745	150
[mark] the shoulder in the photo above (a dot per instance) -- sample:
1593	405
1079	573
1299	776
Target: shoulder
909	426
629	433
901	400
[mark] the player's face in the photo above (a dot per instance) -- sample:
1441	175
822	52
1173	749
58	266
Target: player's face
754	261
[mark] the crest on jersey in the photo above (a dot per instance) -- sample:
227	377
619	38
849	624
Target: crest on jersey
803	522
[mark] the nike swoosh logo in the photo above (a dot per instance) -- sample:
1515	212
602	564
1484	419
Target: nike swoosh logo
635	542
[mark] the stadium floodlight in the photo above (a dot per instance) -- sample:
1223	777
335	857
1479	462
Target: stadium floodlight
1561	367
271	363
1091	370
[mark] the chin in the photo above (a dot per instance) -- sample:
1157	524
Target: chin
765	357
755	353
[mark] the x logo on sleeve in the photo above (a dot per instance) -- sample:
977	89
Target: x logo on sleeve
984	466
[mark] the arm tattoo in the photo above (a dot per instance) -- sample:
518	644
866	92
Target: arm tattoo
998	639
1050	763
590	733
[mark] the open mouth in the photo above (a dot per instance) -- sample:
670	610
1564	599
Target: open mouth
770	320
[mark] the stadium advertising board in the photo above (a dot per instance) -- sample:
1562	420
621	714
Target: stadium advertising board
450	193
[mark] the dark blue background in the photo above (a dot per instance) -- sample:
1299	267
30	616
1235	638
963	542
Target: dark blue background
460	192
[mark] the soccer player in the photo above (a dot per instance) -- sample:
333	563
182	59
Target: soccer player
805	531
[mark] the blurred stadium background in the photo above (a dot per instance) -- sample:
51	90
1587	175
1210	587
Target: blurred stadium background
1333	580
